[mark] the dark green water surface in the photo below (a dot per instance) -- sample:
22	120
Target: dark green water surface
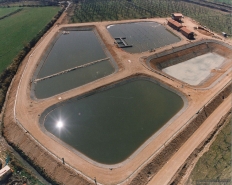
108	126
73	79
143	36
71	50
67	51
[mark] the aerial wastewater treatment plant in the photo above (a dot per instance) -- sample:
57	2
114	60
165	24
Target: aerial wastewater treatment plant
111	102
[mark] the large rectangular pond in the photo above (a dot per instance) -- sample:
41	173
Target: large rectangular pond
195	70
110	124
143	36
80	54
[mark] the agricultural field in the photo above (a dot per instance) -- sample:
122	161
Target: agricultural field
6	11
91	11
216	163
5	3
221	1
17	29
28	22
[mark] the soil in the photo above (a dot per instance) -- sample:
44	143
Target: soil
204	32
182	177
22	130
186	154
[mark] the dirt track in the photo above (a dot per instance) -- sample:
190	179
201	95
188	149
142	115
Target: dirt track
27	112
195	141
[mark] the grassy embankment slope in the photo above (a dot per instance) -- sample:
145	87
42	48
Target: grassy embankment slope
18	29
215	164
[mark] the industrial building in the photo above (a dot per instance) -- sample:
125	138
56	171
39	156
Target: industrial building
187	33
174	24
5	172
177	17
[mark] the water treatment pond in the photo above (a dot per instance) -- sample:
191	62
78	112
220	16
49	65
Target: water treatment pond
195	70
80	54
109	125
143	36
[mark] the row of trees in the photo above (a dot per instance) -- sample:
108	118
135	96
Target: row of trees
8	74
32	3
12	13
100	10
215	20
88	11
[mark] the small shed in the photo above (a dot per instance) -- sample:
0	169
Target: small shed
5	172
174	24
224	34
177	16
187	33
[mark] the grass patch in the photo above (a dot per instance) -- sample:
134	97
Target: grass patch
215	164
28	3
17	30
221	1
6	11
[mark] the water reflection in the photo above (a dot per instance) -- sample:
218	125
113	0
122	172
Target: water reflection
143	36
59	124
79	50
110	125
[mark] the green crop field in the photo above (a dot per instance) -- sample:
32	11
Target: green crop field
92	10
18	29
27	3
221	1
216	163
5	11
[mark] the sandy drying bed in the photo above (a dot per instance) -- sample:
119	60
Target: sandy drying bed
200	65
195	70
24	112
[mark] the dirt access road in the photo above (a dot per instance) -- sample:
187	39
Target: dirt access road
24	111
164	176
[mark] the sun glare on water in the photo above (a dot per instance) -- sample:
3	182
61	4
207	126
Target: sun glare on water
59	124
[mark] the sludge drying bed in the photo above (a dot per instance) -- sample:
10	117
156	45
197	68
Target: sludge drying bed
195	70
109	125
75	57
194	65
